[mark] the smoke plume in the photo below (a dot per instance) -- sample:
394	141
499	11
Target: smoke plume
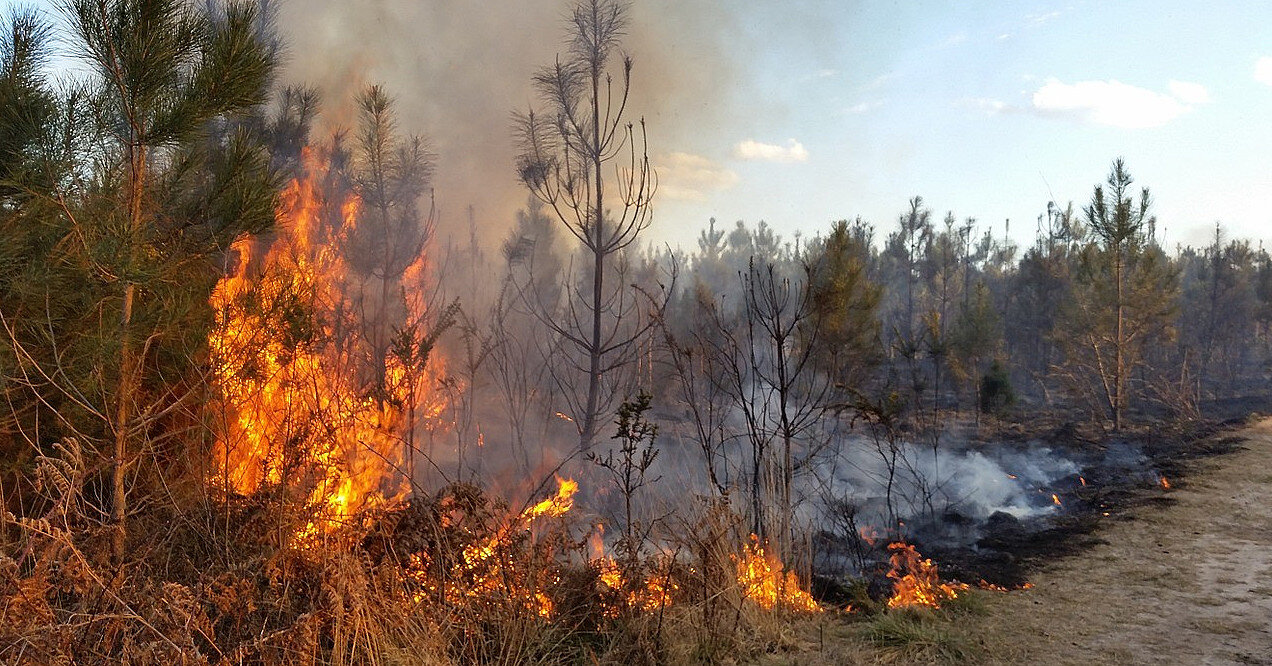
459	69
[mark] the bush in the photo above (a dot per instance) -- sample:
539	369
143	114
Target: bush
996	392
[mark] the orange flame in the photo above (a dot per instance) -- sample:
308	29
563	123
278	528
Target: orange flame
557	505
917	583
764	581
292	388
482	572
986	585
1165	483
1055	499
649	596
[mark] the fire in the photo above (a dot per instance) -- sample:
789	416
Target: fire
917	583
1055	499
1083	480
483	572
649	596
310	401
557	505
764	581
1165	483
986	585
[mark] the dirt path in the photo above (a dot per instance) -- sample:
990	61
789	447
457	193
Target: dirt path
1187	583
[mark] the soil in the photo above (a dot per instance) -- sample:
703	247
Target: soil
1183	579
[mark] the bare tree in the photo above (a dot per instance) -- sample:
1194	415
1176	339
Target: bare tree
765	353
563	161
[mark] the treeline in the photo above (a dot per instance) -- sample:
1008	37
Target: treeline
1094	319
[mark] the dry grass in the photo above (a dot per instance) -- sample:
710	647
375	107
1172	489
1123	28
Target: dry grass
220	584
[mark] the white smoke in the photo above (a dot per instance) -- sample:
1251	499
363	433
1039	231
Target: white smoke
971	482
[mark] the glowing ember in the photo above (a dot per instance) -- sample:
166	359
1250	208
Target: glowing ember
1083	480
1164	483
308	404
1055	499
986	585
764	581
916	581
652	595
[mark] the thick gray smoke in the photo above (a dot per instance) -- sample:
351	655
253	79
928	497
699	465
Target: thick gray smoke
458	70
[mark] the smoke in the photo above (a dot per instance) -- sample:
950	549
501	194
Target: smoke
459	69
956	483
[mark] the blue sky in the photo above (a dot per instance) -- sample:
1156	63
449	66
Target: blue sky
807	111
988	110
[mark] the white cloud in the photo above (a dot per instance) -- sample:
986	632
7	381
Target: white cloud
1263	70
878	82
1114	103
691	177
1189	93
753	150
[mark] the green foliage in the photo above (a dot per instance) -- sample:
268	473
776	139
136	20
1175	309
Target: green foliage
920	636
119	194
845	302
996	391
1123	301
629	466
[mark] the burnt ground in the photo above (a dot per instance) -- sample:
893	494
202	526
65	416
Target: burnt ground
1178	576
1118	476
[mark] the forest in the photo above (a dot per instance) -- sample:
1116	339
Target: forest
259	409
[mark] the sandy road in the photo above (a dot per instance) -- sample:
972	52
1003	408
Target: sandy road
1187	583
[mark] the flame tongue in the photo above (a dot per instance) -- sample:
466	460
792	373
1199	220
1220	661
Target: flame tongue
557	505
293	375
917	583
761	575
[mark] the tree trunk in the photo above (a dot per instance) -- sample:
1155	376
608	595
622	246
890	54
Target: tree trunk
119	466
1119	368
588	434
128	365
